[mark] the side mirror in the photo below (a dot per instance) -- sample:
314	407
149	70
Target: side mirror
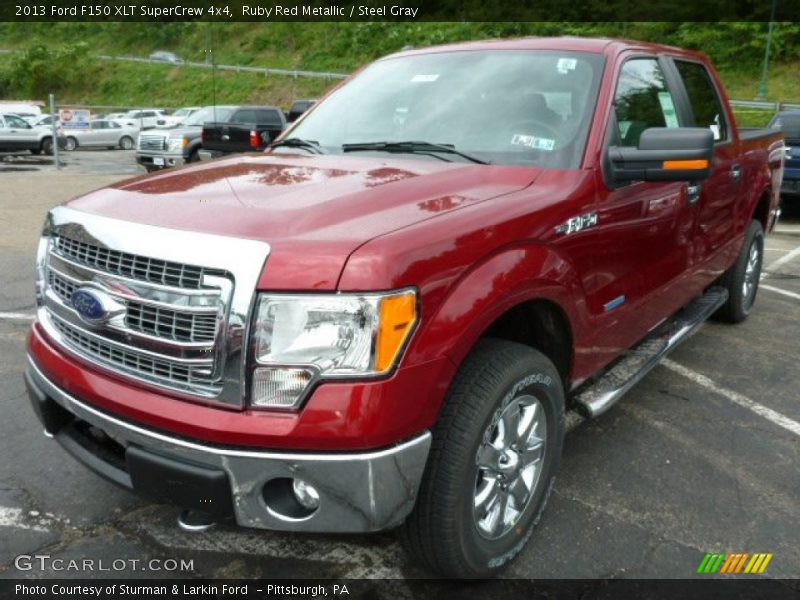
664	154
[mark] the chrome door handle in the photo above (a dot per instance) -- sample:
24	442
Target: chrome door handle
693	193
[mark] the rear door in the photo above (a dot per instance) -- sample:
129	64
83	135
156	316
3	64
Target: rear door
724	189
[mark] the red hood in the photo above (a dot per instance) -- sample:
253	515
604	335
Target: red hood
313	211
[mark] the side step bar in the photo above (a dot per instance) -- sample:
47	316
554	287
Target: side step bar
601	395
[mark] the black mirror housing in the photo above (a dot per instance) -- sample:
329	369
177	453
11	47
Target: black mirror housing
665	154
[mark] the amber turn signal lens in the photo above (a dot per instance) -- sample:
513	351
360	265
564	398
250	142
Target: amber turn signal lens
398	314
672	165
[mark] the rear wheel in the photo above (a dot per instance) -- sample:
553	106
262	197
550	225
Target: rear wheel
126	142
741	279
70	144
494	456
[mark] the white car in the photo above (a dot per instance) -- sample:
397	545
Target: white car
16	135
41	122
145	118
177	117
102	133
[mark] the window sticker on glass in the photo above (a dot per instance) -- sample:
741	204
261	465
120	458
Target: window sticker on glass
565	65
422	78
668	108
537	143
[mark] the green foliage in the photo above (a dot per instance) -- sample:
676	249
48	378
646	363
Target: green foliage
41	69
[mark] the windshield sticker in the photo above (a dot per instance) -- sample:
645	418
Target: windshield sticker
668	108
424	78
537	143
565	65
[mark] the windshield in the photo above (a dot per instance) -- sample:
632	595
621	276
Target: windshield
789	124
181	112
506	107
209	113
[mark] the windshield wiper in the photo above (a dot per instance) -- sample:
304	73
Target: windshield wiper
411	148
310	145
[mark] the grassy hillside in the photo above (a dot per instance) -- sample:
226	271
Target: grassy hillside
737	49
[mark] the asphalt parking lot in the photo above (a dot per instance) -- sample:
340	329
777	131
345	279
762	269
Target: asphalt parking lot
701	456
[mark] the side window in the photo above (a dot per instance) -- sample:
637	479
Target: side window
269	117
97	125
703	98
2	123
113	125
15	122
245	116
642	100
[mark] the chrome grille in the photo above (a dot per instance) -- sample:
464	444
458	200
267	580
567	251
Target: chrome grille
128	360
152	142
156	321
170	324
132	265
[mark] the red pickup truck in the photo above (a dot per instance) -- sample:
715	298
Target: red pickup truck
382	321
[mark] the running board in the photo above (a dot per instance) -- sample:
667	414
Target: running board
637	362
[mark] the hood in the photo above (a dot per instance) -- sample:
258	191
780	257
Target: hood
312	210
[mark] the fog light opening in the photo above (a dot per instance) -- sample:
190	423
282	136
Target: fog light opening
290	499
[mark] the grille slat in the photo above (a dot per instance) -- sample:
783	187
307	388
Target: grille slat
134	266
131	359
160	322
152	142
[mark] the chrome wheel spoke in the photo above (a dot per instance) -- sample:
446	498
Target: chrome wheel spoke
519	493
533	453
489	456
510	424
498	524
486	496
529	421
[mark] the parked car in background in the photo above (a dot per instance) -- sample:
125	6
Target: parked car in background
789	123
177	117
244	129
102	133
164	56
114	116
41	121
23	109
298	108
16	134
145	118
159	149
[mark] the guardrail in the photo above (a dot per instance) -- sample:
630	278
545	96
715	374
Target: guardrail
238	68
765	105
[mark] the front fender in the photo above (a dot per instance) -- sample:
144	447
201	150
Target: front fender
491	288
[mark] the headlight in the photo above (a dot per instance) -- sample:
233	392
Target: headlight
41	260
298	339
174	144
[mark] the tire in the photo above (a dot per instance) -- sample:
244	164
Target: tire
741	279
126	142
70	144
447	531
46	145
193	156
150	168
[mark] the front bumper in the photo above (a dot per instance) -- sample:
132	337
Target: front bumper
209	154
147	159
359	492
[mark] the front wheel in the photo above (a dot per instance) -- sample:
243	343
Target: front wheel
126	143
47	145
495	452
741	279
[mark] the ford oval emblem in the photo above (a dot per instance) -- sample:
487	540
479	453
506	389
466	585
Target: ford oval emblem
92	305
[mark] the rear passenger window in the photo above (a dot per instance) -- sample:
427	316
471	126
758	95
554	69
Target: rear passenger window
246	116
642	100
703	98
269	117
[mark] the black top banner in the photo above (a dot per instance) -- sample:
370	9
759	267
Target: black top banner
402	10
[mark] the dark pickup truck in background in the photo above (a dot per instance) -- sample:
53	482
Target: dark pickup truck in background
382	321
245	129
788	122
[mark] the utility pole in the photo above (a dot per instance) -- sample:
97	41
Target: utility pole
762	86
55	131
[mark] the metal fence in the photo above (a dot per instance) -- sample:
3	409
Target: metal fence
765	105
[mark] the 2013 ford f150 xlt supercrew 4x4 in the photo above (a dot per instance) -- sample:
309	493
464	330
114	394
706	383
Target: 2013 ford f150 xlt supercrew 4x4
381	321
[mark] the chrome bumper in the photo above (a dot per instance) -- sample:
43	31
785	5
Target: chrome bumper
358	492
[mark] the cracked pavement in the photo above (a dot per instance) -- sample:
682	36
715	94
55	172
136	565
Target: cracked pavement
672	472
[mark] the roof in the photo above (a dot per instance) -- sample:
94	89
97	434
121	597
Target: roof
565	43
